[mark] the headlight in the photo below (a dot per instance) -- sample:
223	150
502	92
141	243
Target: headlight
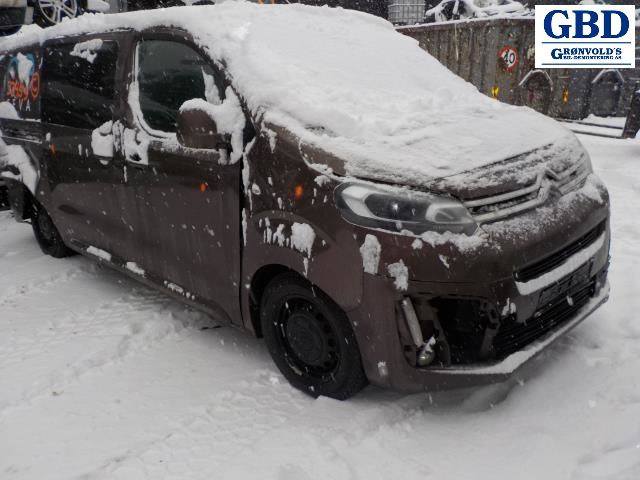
417	212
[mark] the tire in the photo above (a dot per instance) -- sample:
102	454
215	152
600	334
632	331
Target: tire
47	234
310	339
47	12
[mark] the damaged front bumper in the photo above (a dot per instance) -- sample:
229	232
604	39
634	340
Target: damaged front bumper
462	376
387	356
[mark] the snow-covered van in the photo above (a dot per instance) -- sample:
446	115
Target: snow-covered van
313	177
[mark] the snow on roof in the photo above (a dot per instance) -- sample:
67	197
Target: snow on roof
346	82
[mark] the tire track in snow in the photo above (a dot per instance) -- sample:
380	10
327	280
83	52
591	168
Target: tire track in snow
198	444
621	462
76	345
12	296
362	438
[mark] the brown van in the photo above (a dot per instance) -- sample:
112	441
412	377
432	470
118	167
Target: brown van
313	177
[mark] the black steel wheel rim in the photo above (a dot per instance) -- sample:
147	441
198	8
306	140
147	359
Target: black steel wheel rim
309	340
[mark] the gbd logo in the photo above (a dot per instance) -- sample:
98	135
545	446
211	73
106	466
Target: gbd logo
586	20
585	36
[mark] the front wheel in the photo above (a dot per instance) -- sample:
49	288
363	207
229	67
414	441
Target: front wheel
310	339
47	234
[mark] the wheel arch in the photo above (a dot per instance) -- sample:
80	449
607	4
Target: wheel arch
257	286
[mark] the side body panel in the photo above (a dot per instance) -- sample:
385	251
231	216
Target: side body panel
86	186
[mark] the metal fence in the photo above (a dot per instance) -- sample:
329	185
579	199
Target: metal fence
498	57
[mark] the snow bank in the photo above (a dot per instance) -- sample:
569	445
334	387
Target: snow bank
383	105
7	110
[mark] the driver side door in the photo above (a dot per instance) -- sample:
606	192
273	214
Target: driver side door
187	229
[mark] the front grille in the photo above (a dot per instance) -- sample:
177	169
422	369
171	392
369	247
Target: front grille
529	197
513	336
504	205
552	261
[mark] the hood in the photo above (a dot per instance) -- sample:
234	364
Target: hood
516	173
486	179
476	155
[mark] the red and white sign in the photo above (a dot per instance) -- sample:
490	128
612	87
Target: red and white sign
508	58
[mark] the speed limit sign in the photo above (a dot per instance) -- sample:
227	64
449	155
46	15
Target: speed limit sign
508	58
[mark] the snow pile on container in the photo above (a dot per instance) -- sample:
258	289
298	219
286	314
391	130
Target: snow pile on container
462	9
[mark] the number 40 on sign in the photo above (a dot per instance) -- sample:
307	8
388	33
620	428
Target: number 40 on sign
508	58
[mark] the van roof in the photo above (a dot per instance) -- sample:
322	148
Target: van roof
345	82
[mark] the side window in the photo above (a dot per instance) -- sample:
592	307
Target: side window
169	74
80	84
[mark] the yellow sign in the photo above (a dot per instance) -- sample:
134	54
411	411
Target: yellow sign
495	91
565	95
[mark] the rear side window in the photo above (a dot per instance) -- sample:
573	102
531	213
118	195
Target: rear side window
80	83
169	74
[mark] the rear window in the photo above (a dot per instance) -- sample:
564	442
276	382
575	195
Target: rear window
80	87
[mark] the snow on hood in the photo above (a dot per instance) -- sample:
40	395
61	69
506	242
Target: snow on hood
347	83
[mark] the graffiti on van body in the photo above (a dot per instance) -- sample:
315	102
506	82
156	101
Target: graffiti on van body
22	81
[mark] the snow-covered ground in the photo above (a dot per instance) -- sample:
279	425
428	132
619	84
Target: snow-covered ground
101	378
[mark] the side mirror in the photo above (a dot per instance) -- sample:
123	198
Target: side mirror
196	129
